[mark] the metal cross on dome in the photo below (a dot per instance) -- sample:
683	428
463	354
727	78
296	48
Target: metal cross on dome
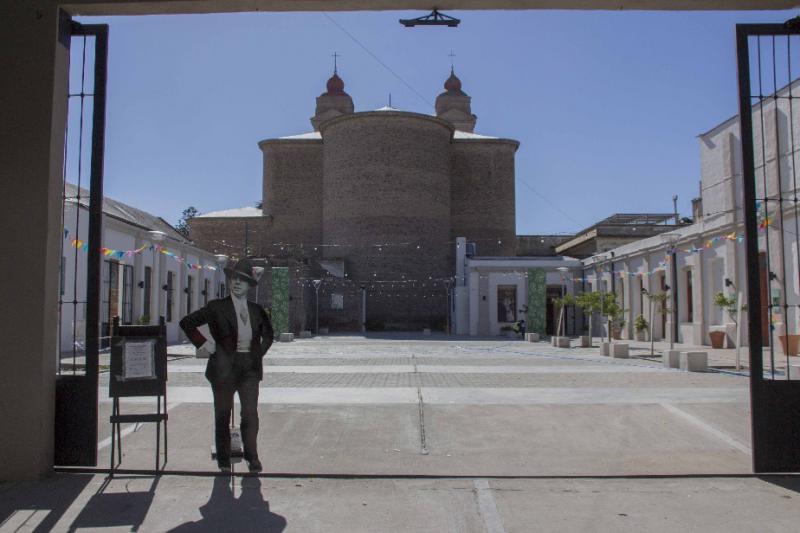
433	19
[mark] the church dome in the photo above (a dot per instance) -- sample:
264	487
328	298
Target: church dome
335	85
453	84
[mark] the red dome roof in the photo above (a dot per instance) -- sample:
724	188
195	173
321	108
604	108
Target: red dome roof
335	85
452	83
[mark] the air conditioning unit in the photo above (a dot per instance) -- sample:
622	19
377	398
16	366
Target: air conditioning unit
471	249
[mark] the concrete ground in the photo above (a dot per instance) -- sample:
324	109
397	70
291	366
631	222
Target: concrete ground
463	435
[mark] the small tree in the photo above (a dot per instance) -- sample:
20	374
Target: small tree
590	303
611	310
561	303
183	224
728	304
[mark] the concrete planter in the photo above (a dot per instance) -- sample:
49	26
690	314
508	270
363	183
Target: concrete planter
563	342
641	335
532	337
306	334
286	337
426	331
620	350
554	341
671	358
585	341
323	331
605	348
694	361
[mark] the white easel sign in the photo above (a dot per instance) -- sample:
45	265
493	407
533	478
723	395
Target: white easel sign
138	360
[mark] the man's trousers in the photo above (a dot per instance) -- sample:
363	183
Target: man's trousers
243	380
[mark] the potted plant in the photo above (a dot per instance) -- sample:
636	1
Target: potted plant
509	332
641	326
611	310
616	328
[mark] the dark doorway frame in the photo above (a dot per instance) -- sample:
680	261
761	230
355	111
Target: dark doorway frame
775	403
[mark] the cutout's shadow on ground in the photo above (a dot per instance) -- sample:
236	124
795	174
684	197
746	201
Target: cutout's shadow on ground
225	512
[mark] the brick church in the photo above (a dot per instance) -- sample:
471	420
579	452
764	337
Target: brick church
371	204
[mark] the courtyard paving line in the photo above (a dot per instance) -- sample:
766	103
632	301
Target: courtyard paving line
724	437
487	507
468	395
438	369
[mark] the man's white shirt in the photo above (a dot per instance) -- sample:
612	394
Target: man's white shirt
244	330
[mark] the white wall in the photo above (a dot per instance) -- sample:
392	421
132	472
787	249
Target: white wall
121	236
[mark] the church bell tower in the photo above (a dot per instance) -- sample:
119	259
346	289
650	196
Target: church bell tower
333	102
453	105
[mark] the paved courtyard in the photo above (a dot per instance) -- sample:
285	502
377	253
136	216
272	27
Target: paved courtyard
405	433
438	406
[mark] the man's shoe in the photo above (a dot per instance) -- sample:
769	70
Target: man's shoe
255	466
224	466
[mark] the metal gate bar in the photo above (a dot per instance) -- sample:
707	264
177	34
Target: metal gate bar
76	394
774	397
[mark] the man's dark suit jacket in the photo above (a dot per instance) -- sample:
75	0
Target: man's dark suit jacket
220	315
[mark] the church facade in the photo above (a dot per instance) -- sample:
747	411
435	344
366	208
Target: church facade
371	203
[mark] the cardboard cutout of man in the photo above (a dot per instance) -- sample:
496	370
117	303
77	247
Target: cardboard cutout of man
241	335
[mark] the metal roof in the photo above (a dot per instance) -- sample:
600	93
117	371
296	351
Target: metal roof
124	212
635	219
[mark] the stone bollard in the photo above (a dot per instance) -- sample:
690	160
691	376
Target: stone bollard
586	341
305	334
286	337
605	348
620	350
532	337
554	340
694	361
563	342
671	358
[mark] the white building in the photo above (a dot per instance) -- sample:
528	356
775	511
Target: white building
492	293
710	254
142	277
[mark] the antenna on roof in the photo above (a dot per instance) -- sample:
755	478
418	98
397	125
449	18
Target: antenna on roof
390	99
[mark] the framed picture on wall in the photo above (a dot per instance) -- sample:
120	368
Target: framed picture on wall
506	303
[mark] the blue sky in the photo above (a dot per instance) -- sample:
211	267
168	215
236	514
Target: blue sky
606	105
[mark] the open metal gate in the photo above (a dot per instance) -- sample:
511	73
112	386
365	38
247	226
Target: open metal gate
79	300
769	62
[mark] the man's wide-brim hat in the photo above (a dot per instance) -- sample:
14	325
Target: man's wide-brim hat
243	269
